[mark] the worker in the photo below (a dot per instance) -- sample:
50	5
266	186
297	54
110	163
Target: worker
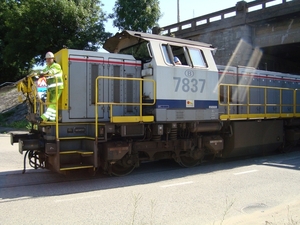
176	60
55	85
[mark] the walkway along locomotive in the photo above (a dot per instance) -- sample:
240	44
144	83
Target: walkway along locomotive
135	104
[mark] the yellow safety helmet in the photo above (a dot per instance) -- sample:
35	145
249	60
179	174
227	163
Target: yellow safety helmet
49	55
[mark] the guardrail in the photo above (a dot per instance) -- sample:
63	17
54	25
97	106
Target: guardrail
274	102
7	84
241	7
111	104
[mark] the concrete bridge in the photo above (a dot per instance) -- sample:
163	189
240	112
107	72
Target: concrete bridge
264	34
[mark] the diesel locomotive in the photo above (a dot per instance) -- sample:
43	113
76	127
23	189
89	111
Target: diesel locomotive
135	104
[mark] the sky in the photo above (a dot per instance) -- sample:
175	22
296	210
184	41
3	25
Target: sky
187	10
168	9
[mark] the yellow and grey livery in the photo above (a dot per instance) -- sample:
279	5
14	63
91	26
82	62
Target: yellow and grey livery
136	104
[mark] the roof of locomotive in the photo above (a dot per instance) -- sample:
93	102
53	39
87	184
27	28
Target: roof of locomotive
129	38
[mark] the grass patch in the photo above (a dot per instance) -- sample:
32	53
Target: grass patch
136	216
7	114
19	124
24	124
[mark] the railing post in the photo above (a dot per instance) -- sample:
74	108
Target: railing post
96	108
248	101
280	102
241	8
141	101
228	102
295	102
56	113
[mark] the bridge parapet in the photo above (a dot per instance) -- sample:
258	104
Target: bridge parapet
238	11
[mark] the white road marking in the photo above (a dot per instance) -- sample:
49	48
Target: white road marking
249	171
177	184
278	164
14	199
76	198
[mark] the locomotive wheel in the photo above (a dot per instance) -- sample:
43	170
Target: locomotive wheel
123	166
120	170
187	161
192	158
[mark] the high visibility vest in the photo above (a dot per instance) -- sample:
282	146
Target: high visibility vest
54	74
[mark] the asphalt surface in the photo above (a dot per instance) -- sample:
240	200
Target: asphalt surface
260	190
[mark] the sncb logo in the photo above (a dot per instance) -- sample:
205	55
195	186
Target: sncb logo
189	73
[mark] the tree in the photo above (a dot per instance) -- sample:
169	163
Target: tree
137	15
33	27
6	69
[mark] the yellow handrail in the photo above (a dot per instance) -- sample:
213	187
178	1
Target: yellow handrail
232	99
28	86
111	104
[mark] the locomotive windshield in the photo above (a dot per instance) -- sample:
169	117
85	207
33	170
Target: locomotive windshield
140	51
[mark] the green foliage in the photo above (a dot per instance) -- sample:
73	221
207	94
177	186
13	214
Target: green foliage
30	28
15	124
137	15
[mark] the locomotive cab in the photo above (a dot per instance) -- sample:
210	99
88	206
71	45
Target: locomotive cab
185	92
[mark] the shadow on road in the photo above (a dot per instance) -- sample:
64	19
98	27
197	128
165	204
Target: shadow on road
42	183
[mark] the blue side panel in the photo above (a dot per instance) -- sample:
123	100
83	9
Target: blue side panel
182	104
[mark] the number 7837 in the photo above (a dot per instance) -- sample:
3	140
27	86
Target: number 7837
189	85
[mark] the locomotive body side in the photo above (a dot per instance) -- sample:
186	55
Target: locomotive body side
259	109
138	104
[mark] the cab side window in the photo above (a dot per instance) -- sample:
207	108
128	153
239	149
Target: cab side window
197	57
175	55
166	54
179	54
